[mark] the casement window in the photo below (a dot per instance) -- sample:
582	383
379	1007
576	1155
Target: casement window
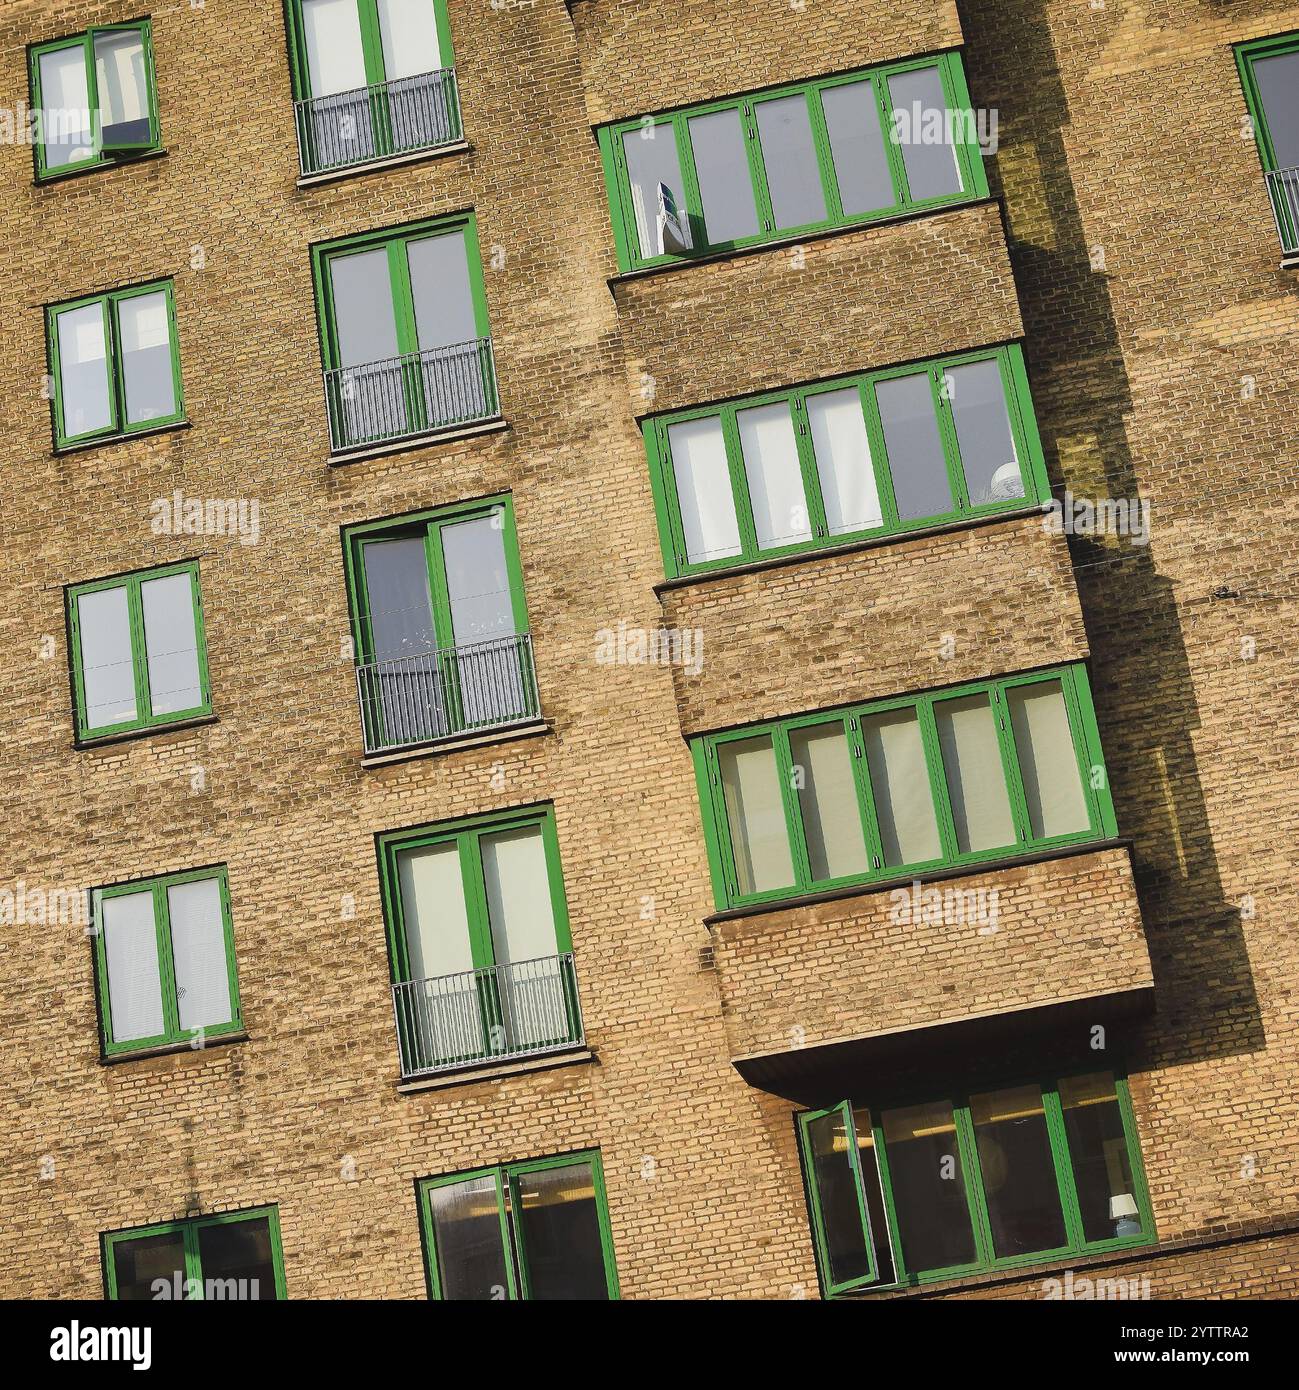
537	1230
440	627
1269	73
233	1257
165	957
972	1182
404	333
114	364
372	79
479	941
139	659
860	456
834	152
970	774
95	98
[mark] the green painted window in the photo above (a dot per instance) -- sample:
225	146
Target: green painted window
95	98
165	956
439	624
976	1181
479	941
1269	73
371	79
537	1230
869	455
958	776
404	333
114	364
139	658
830	153
233	1257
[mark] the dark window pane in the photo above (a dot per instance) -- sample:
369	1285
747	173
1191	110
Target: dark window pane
560	1234
789	158
928	1187
150	1267
721	161
836	1189
467	1235
885	1270
917	464
237	1260
1018	1172
1098	1151
922	128
652	159
988	459
1278	87
861	163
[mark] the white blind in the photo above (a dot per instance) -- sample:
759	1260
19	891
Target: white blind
759	836
335	60
770	451
409	34
1057	804
433	909
198	947
904	803
107	675
843	461
131	950
976	783
704	489
828	802
170	644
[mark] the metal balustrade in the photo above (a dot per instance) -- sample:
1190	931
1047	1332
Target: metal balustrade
1283	186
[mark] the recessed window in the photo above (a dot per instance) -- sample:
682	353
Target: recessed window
947	778
164	949
405	339
94	97
983	1180
114	364
821	154
139	657
872	455
536	1230
234	1257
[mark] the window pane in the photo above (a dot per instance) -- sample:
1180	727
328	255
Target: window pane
983	434
976	782
756	815
928	1185
409	34
1098	1152
363	314
899	776
827	801
138	1264
237	1260
870	1173
861	163
1018	1171
403	695
334	56
65	106
433	911
560	1234
131	952
652	159
107	673
789	158
439	281
775	481
198	947
927	153
704	489
123	89
843	461
467	1238
725	185
917	463
145	329
1048	761
1278	89
83	370
171	643
836	1188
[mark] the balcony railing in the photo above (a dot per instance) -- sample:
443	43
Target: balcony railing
1283	185
411	395
522	1009
369	123
408	700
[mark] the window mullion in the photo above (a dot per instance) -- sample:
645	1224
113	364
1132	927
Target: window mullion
967	1147
757	168
193	1262
474	887
892	150
879	454
1063	1166
789	799
807	467
166	961
865	795
941	386
1010	762
92	97
824	156
937	777
139	651
739	483
512	1235
692	199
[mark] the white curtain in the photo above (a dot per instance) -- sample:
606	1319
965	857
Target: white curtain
335	60
170	644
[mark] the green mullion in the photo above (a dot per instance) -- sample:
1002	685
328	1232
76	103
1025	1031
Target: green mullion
879	455
1063	1165
835	214
139	651
938	381
818	1217
1033	464
890	1211
892	150
793	811
194	1289
865	796
166	959
1092	754
757	168
968	1149
739	484
448	667
716	844
969	157
937	778
1135	1160
807	467
1010	763
481	947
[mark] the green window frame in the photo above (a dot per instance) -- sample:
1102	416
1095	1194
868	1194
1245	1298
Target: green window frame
131	636
689	203
165	969
856	1181
1281	174
185	1240
116	414
101	147
814	519
787	820
504	1183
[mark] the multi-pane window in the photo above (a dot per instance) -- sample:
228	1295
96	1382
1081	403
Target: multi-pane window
164	950
859	456
139	659
950	777
479	941
1269	71
114	363
976	1181
440	625
233	1257
537	1230
94	97
404	333
372	78
833	152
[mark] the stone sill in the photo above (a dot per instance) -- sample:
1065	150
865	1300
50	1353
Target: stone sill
87	745
372	166
409	443
106	439
502	734
464	1076
110	1059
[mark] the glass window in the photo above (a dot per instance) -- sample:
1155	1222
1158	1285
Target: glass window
1100	1157
927	1175
466	1219
916	457
922	127
122	80
899	779
722	168
983	432
780	515
843	461
1017	1171
756	815
65	119
1048	760
861	162
703	489
827	801
789	158
1277	78
234	1257
652	159
976	781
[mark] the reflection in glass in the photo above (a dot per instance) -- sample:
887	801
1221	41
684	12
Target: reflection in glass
1018	1172
467	1236
917	463
1098	1152
928	1182
559	1234
722	164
